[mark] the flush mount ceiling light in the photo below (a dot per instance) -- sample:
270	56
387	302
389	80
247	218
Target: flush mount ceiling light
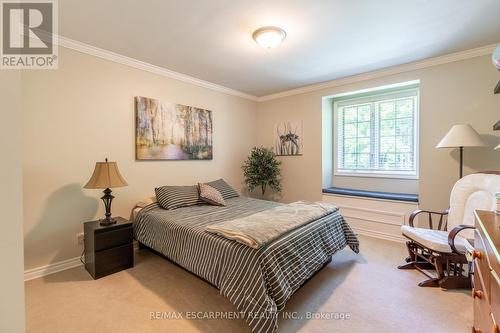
269	37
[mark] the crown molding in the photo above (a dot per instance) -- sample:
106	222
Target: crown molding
429	62
124	60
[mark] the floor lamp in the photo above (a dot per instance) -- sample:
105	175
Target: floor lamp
460	136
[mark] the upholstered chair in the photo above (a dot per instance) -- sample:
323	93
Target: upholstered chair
441	240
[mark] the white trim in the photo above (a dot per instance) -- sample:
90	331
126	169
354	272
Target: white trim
59	266
381	89
38	272
377	211
373	96
124	60
411	175
379	235
369	198
63	265
373	217
412	66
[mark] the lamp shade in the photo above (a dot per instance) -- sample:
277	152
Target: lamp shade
106	175
461	136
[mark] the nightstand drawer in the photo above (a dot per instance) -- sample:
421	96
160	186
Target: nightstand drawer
495	297
113	238
108	248
482	261
113	260
480	301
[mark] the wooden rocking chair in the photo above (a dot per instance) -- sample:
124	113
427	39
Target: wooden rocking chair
436	249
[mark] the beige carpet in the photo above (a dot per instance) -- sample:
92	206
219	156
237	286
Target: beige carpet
378	297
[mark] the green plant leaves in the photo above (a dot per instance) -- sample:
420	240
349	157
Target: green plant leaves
262	169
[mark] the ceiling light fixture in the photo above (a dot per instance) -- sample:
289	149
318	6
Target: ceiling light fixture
269	37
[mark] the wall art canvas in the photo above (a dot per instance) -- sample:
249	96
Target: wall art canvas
289	138
168	131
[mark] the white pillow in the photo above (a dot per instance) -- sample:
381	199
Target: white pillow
146	201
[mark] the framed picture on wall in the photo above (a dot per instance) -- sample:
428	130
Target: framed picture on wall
168	131
289	138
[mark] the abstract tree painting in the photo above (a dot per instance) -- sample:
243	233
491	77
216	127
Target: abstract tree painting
289	138
168	131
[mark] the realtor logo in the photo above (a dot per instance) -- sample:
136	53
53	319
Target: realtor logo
29	32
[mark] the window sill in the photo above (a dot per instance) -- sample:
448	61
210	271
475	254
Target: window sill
375	175
372	194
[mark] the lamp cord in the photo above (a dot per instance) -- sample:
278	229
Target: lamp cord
83	253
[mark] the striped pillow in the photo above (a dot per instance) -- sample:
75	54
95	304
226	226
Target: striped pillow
211	195
172	197
224	188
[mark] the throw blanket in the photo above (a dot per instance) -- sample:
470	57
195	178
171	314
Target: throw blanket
260	228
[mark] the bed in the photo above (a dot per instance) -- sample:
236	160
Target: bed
257	281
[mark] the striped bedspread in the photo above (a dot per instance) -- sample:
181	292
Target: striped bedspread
257	281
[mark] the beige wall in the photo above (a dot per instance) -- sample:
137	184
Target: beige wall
458	92
11	236
84	112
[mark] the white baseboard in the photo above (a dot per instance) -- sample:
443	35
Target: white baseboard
59	266
38	272
63	265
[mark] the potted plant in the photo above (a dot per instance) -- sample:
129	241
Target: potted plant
262	169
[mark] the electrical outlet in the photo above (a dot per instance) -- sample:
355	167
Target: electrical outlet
79	237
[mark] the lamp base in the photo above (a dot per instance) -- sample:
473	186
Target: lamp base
107	198
107	221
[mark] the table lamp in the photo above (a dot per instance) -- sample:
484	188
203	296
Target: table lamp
106	176
460	136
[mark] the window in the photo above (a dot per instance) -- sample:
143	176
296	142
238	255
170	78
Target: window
377	132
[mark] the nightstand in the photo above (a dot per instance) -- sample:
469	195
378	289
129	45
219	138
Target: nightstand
108	249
